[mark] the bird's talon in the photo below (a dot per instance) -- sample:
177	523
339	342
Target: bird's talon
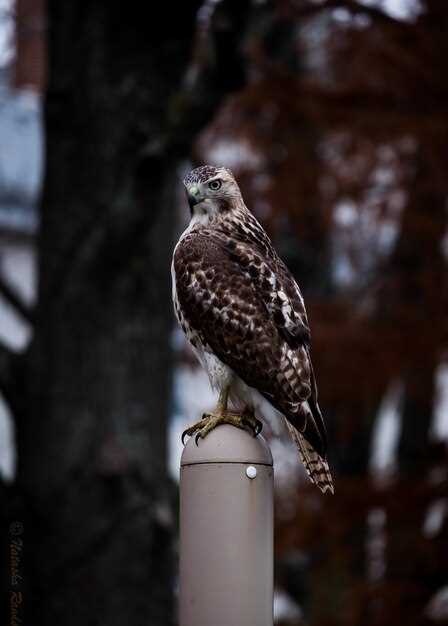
254	425
209	421
245	422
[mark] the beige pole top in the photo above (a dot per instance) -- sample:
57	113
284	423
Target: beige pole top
227	444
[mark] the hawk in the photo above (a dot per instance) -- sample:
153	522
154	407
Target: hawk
244	316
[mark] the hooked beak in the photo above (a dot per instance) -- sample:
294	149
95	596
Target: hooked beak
194	196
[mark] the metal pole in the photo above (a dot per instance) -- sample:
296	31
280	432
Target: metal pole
226	530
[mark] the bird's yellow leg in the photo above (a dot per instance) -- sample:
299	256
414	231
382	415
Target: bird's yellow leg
209	421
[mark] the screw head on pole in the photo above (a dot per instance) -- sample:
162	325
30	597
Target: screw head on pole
251	472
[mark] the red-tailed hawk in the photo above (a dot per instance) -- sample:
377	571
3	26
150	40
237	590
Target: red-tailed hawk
244	315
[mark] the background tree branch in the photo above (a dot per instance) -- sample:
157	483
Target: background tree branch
11	383
14	298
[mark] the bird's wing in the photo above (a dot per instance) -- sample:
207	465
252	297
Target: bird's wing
244	311
277	289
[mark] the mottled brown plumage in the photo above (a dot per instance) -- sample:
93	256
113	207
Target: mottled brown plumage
243	313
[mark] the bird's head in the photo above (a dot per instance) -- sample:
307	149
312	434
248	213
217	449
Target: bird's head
211	191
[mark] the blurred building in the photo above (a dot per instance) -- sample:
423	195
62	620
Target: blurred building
22	50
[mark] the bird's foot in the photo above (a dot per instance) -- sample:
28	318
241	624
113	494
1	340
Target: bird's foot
209	421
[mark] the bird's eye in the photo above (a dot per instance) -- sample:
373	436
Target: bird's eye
214	185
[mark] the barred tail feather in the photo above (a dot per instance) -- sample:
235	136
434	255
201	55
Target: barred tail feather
316	467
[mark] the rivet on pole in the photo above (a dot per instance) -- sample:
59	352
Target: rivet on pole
251	472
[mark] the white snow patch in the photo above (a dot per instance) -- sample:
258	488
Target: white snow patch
7	447
192	397
437	608
345	214
14	332
399	9
376	544
286	463
344	274
18	267
444	245
285	609
234	154
6	32
439	428
434	518
342	15
386	432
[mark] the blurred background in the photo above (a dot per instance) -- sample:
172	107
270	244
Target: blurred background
333	115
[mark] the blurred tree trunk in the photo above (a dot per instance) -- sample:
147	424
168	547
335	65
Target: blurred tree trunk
92	445
420	286
422	282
